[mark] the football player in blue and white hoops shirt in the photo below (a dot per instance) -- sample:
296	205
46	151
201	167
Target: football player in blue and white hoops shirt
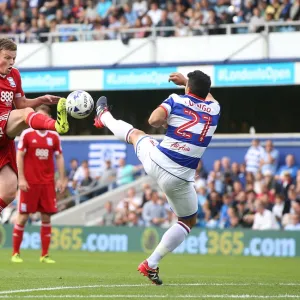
191	121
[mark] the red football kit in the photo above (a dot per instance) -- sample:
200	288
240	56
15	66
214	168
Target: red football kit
10	90
39	148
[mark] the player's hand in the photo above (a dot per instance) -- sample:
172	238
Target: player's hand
60	187
178	78
49	99
23	185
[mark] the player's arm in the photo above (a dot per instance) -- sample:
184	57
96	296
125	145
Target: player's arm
22	148
23	102
158	117
23	184
178	79
60	163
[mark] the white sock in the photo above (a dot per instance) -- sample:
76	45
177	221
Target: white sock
118	127
172	238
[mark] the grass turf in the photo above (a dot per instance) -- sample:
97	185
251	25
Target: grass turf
85	275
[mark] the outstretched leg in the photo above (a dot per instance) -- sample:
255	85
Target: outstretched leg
122	130
21	119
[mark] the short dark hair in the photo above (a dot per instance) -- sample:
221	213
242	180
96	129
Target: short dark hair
7	44
199	83
44	108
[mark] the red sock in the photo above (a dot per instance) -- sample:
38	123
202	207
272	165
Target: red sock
17	238
45	237
40	122
2	205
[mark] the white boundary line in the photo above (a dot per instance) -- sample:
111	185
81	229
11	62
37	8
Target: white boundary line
57	288
242	296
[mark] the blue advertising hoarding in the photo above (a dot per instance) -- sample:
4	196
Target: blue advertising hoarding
254	74
139	78
45	81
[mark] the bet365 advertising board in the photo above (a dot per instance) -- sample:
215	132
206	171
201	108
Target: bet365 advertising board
137	239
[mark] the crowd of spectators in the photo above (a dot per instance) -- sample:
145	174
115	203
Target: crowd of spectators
150	208
31	19
258	194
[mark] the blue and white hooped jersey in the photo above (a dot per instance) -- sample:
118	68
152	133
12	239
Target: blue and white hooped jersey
191	125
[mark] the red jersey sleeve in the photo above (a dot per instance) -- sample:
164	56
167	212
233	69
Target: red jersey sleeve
19	89
57	145
23	142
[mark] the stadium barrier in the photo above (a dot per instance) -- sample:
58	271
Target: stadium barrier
138	239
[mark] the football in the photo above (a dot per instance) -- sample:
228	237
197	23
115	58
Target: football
79	104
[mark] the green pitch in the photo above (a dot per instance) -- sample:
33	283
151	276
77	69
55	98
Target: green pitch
84	275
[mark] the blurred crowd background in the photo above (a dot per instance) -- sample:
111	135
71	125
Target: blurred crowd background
33	18
258	194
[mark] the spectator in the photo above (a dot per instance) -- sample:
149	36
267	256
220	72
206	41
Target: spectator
134	220
146	194
234	221
114	26
294	209
269	160
214	206
295	225
49	7
66	10
91	12
108	218
79	174
278	207
122	214
125	173
234	172
165	22
139	25
85	185
224	217
253	157
140	7
153	212
264	219
133	200
295	11
289	167
107	177
71	172
130	14
154	13
284	10
225	164
103	7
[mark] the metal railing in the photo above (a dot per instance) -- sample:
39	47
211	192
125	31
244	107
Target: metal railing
81	34
93	189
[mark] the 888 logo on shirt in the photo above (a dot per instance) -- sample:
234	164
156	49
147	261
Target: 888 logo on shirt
7	97
42	153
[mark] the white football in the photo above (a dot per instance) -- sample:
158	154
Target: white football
79	104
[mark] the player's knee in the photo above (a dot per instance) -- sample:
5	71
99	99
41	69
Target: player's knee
22	219
46	218
10	195
25	112
135	135
190	222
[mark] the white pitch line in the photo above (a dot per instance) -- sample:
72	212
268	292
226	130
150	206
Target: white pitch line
57	288
244	296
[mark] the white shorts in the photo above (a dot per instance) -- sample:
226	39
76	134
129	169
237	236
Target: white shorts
181	194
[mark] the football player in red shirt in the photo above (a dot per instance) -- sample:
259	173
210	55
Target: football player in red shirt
13	122
36	150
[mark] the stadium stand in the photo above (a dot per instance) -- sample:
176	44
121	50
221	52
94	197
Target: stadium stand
35	21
